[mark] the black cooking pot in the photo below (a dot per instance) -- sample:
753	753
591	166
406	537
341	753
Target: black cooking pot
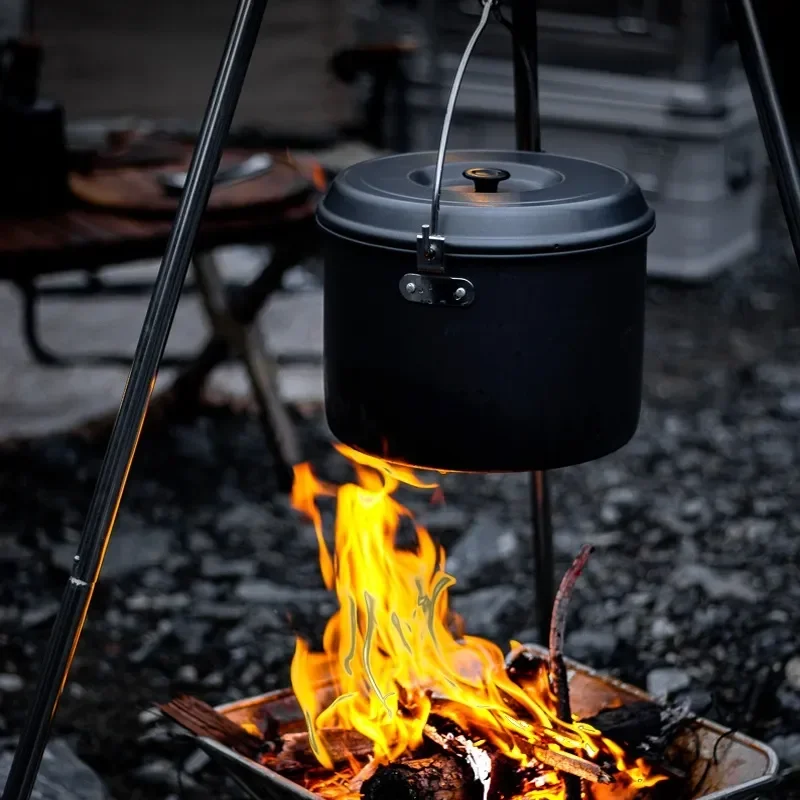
507	336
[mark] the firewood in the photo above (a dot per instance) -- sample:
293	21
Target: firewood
339	743
560	760
441	777
201	719
572	765
364	774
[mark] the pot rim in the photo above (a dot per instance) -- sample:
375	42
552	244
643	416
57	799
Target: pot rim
409	247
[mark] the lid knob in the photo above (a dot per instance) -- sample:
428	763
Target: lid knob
486	179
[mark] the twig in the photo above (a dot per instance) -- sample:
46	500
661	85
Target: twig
559	684
559	680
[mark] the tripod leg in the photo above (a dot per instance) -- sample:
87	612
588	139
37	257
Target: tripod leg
770	115
110	485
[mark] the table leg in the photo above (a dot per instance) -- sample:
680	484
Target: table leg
247	342
39	351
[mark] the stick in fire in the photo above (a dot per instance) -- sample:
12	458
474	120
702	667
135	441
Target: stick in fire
559	679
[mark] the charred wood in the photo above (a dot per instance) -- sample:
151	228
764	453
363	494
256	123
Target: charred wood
340	744
442	777
644	729
557	759
630	725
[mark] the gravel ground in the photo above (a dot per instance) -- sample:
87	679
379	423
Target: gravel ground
694	586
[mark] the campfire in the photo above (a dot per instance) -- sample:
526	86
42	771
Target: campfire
401	702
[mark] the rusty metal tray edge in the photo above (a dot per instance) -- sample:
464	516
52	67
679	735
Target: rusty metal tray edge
273	785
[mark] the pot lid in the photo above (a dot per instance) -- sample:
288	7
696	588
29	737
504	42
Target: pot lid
492	201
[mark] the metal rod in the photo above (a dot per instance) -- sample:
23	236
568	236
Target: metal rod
543	562
770	115
529	137
526	75
124	437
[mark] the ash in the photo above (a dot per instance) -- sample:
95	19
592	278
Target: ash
693	589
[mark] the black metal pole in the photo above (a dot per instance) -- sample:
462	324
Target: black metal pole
529	137
770	115
135	400
543	562
526	75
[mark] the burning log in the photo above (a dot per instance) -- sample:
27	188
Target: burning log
441	777
559	681
340	744
557	759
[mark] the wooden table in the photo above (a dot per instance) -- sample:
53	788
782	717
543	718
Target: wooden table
86	239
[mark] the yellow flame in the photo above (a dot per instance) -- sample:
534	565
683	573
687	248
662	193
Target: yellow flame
389	654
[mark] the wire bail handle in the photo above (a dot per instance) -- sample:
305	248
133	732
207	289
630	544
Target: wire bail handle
430	244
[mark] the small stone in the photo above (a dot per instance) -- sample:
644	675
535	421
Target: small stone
188	674
662	628
219	611
753	530
624	496
696	508
483	554
214	680
149	715
787	748
36	616
734	585
792	672
790	404
265	591
213	566
789	699
130	551
666	681
591	644
11	551
443	519
200	541
244	518
250	674
610	515
627	628
158	772
484	609
9	682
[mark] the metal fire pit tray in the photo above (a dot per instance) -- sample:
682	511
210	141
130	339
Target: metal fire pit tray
736	767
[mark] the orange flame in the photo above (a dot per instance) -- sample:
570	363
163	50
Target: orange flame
388	653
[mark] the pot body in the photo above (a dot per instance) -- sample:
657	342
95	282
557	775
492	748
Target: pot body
542	370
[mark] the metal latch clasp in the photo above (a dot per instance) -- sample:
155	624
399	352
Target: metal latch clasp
430	251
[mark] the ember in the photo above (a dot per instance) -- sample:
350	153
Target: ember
399	702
